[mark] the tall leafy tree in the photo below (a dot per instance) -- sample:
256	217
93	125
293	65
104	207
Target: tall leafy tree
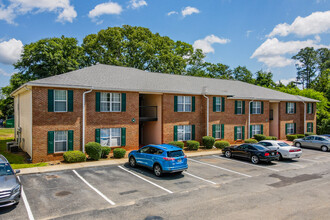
241	73
265	79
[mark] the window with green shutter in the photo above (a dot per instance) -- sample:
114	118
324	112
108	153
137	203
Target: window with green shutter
175	103
98	135
192	132
97	101
123	102
290	128
222	131
309	108
123	137
70	100
239	133
70	140
175	137
239	107
193	103
310	127
50	100
216	131
50	142
184	103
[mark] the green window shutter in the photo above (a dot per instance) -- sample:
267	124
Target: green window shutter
98	135
286	128
123	137
295	128
50	100
193	103
213	130
251	108
286	108
236	107
312	108
70	140
192	132
70	100
243	132
295	108
223	104
175	103
51	142
97	101
250	131
123	102
262	107
235	133
308	104
222	131
312	129
175	133
262	129
214	102
243	107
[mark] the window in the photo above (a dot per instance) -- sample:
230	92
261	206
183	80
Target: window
239	107
5	170
177	153
309	108
290	128
110	137
290	108
282	144
309	127
184	103
60	101
256	108
145	150
61	141
184	132
255	129
217	104
309	138
266	144
217	131
110	102
239	133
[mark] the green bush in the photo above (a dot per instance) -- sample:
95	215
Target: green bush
309	134
259	137
291	137
74	156
251	141
221	144
93	150
105	151
119	153
271	138
193	145
177	143
208	142
300	135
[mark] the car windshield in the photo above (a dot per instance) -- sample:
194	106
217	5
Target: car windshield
177	153
5	170
260	147
283	144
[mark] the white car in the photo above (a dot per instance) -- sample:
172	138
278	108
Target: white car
285	150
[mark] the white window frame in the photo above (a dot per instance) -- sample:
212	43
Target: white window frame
110	102
185	103
239	132
309	126
239	108
290	109
309	108
218	103
66	101
110	136
217	132
182	129
290	127
61	141
256	129
256	108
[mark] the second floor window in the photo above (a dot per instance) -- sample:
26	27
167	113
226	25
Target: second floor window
184	103
217	104
110	102
290	108
256	108
239	107
60	100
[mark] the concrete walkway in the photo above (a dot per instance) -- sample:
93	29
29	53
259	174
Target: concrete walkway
71	166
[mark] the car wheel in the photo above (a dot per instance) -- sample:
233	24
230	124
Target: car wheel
255	159
298	144
132	162
157	170
228	154
324	148
281	158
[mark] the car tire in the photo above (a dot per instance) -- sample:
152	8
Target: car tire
157	170
228	154
179	173
297	144
281	158
324	148
255	159
132	162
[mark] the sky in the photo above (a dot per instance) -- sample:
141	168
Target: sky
258	34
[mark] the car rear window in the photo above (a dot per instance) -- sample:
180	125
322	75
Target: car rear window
176	153
283	144
260	147
5	170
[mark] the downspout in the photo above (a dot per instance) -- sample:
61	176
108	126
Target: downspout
249	117
207	110
84	120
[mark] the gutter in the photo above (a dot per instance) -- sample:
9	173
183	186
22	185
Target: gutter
84	119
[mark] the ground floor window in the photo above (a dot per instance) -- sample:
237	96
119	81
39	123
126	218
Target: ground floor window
184	132
217	131
61	141
290	128
239	132
256	129
111	137
310	127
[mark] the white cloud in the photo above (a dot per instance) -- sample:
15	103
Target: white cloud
272	52
206	43
105	9
137	3
10	51
316	23
172	13
4	73
286	81
65	11
189	11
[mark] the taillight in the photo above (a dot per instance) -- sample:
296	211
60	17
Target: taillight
276	152
185	156
168	158
266	154
295	150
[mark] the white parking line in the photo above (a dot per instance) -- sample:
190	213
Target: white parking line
96	190
200	178
26	203
145	179
211	165
246	163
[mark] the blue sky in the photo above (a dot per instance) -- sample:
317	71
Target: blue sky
258	34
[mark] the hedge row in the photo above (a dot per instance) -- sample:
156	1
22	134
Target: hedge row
221	144
192	145
74	156
208	142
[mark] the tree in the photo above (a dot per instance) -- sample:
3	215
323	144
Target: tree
241	73
323	59
265	79
306	66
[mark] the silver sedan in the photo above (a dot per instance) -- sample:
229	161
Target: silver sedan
314	141
285	150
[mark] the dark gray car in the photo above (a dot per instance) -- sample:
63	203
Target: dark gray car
10	186
314	141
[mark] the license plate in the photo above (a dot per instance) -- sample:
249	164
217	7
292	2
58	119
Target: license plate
179	160
273	153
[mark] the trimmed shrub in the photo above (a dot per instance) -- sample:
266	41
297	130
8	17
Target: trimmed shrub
259	137
119	153
291	137
309	134
251	141
271	138
94	150
177	143
221	144
300	135
208	142
105	151
193	145
74	156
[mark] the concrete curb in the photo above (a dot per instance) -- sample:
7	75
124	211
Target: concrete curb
72	166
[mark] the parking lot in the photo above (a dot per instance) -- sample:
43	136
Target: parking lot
70	192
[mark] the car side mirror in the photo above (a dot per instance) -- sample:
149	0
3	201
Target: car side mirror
17	171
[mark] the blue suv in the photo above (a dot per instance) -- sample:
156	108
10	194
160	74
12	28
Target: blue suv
161	159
